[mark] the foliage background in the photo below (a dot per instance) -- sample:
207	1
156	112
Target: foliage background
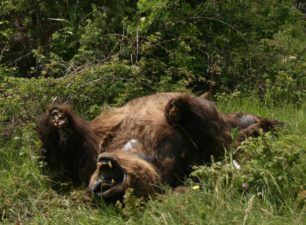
256	46
95	53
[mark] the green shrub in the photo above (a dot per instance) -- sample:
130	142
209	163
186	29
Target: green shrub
23	100
270	167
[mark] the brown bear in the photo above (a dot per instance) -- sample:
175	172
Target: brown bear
149	141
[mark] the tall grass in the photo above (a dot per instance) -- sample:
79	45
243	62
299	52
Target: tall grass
264	191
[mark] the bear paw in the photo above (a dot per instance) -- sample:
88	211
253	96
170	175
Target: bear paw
173	111
58	118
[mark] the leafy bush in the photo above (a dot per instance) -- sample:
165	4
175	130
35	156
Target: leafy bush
23	100
199	45
269	167
260	48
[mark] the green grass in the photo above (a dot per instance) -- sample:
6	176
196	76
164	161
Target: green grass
274	180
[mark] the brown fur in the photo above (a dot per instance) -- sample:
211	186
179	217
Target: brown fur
69	152
151	140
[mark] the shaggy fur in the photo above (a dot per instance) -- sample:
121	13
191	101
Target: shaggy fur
69	147
150	140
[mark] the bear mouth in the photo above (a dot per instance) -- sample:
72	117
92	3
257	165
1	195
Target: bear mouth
110	180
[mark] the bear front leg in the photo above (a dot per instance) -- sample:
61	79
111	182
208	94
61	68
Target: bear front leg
69	147
200	121
55	126
194	114
61	129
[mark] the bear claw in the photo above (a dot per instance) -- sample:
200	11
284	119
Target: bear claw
58	118
173	111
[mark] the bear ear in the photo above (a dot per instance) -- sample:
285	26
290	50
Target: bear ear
206	95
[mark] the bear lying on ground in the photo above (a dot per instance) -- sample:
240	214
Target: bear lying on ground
149	141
